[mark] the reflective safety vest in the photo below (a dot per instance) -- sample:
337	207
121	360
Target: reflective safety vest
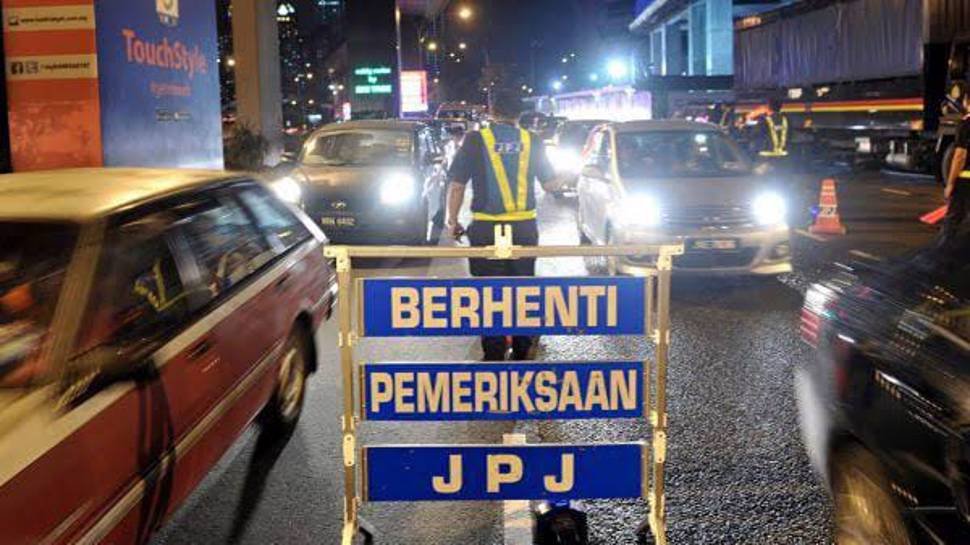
779	137
510	205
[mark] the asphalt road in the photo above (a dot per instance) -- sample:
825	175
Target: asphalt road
737	470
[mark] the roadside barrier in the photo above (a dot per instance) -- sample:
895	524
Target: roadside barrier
461	391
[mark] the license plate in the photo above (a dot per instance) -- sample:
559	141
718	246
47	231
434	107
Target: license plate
330	221
715	244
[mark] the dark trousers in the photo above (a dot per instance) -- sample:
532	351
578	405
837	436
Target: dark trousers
524	233
956	214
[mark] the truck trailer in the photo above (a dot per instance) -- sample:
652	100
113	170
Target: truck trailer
878	79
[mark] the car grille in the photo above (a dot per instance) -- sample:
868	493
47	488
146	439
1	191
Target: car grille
708	259
708	216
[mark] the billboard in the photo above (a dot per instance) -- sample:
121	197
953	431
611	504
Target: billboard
51	67
112	83
414	91
159	83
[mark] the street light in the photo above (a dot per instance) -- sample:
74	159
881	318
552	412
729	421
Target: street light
594	77
432	46
462	45
230	62
465	13
617	69
556	85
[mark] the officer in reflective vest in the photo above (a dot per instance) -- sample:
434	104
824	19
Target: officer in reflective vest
776	126
502	162
957	192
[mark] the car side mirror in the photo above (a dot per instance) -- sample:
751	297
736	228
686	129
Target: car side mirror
101	367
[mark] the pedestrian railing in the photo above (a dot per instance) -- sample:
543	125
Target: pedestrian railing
430	307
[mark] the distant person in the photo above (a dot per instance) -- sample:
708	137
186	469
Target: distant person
502	194
774	132
957	191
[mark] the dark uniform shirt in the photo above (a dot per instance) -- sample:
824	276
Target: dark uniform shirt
963	133
470	165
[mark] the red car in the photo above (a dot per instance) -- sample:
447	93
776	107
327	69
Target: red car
147	317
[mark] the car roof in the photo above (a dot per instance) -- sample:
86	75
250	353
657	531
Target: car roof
372	124
83	194
663	125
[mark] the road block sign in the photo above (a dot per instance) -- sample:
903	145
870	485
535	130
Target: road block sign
503	472
503	306
398	307
503	391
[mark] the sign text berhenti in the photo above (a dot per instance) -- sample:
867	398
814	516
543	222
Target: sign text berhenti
503	306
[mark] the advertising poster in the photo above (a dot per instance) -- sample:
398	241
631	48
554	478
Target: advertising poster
52	83
414	91
159	83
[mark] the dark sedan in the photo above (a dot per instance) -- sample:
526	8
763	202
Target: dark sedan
885	406
369	182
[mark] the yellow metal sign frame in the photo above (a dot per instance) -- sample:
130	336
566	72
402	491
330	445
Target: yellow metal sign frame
657	315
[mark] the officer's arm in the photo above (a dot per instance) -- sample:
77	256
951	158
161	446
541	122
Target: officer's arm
456	196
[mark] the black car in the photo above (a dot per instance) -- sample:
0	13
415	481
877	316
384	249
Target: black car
370	182
885	405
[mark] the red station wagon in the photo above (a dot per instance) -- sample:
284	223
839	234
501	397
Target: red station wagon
146	318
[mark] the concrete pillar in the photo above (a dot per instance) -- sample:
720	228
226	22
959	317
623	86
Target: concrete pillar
658	58
256	48
720	37
675	56
697	39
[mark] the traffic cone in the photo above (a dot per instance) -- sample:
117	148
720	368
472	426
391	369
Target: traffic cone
934	217
827	222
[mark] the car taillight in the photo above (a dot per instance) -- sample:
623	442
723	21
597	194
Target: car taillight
817	306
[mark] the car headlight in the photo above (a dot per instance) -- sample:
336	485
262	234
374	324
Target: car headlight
565	160
287	189
770	208
639	211
397	189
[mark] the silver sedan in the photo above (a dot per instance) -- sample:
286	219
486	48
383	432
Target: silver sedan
667	181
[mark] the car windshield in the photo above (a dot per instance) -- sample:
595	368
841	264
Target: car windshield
679	154
574	134
33	260
359	148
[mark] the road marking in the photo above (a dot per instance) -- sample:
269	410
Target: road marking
812	236
896	191
865	255
516	514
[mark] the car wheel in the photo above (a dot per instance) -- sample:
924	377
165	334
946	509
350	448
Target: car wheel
285	407
866	512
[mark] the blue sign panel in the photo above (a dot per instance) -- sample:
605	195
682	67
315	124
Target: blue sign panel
502	391
396	307
503	472
158	65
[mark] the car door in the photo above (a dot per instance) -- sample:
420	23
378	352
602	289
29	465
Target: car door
431	172
599	188
103	449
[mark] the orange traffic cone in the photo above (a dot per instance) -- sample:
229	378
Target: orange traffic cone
827	222
934	217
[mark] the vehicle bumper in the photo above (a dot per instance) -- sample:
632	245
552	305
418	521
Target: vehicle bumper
760	251
404	227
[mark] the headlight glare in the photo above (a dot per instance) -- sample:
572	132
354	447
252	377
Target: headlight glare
640	211
287	189
397	189
565	160
770	208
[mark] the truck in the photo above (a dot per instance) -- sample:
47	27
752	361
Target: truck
875	79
